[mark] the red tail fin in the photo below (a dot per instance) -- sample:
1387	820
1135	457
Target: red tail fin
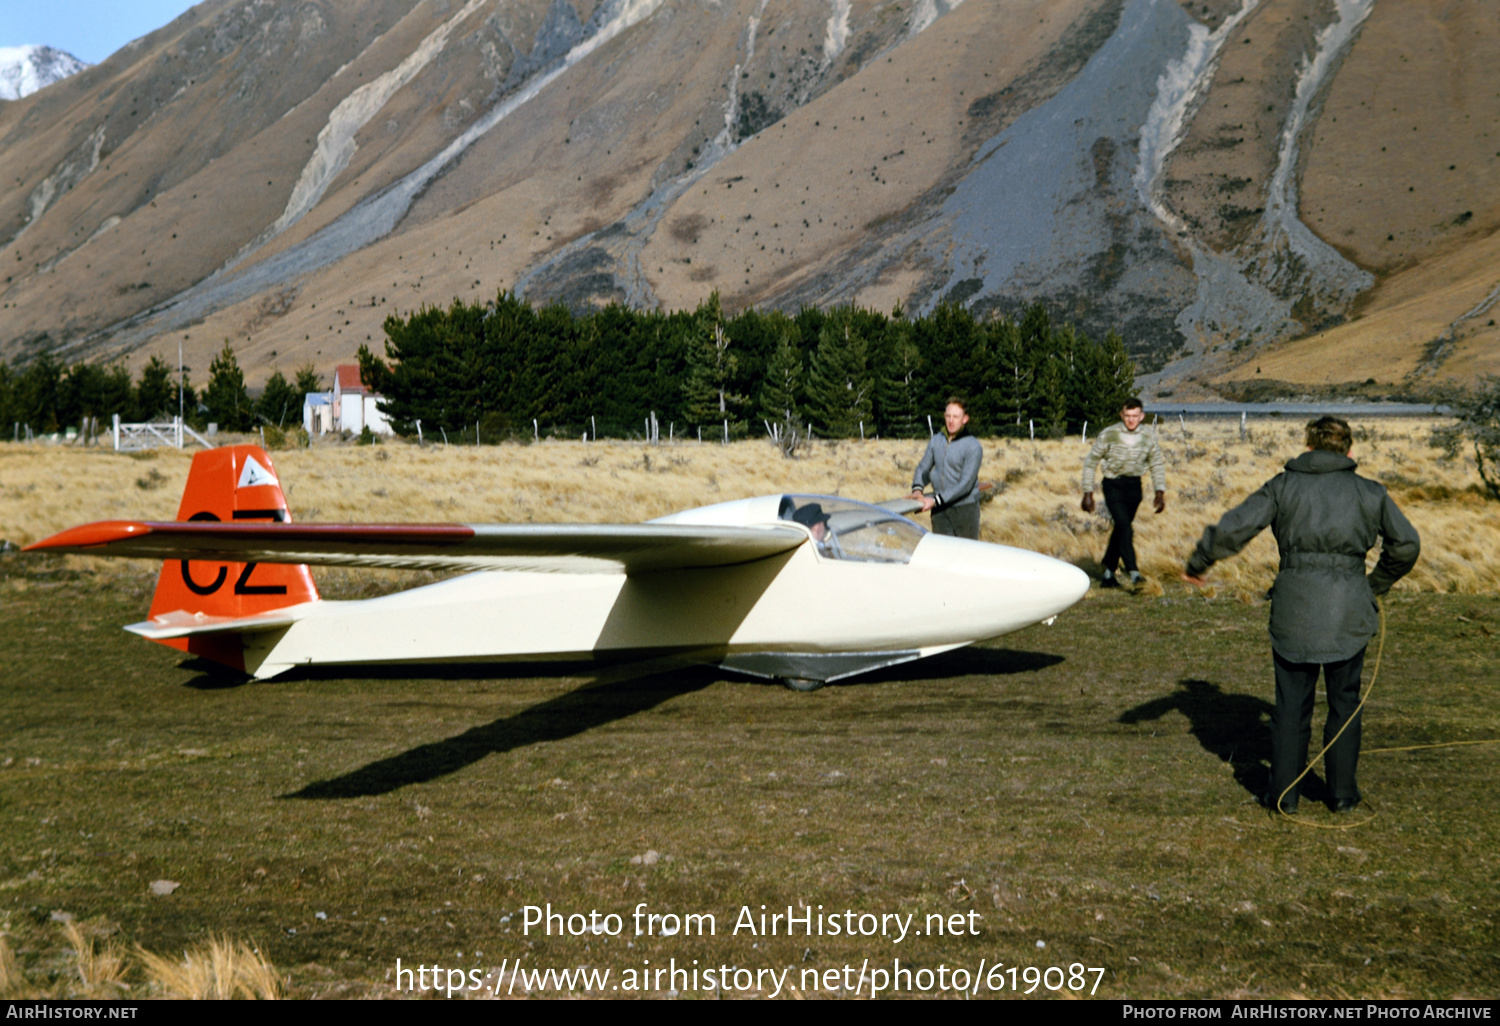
237	482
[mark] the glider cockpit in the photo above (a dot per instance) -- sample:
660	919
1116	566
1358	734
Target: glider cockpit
844	529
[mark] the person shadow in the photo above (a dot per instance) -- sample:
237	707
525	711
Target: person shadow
1235	728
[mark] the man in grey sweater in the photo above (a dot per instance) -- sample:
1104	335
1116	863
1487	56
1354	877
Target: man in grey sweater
951	466
1323	611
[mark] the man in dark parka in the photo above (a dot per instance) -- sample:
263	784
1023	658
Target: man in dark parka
1323	611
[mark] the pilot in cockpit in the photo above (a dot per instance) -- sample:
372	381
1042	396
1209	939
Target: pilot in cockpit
812	517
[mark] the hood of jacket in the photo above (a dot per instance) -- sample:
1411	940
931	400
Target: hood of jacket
1320	461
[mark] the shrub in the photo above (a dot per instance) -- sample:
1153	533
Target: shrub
1477	422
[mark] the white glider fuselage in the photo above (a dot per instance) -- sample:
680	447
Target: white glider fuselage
951	592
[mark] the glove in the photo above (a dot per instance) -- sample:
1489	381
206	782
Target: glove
1160	505
1088	502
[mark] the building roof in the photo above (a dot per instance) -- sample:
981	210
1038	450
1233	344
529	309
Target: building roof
347	376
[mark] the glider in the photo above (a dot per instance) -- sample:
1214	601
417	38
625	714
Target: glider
804	589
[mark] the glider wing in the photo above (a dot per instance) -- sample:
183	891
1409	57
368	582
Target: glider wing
558	548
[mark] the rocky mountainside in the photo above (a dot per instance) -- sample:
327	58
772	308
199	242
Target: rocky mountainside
1298	191
25	69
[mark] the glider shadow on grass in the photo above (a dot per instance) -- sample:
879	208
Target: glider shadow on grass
1235	728
593	706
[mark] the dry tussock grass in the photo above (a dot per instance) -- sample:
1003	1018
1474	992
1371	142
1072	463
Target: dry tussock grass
219	969
1210	468
101	968
12	982
85	970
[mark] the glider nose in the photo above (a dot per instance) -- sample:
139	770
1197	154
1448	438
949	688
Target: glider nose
1008	588
1063	583
1045	585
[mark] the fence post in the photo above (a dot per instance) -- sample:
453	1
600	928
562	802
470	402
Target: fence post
117	432
1242	425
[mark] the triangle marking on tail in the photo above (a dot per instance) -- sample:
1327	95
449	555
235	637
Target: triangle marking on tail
254	474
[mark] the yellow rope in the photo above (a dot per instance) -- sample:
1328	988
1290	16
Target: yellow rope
1440	744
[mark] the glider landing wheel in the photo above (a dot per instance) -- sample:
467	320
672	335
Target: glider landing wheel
801	683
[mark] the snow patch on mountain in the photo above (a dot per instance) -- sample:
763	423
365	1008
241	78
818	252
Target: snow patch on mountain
25	69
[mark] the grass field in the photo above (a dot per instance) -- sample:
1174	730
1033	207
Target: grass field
1209	468
1078	794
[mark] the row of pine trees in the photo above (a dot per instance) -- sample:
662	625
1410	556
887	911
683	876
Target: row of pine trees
47	397
508	369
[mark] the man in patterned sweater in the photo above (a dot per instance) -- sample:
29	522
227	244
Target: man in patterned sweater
1126	450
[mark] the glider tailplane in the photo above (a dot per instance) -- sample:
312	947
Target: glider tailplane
231	484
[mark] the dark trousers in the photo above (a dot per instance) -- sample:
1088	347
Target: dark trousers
1291	724
1122	497
957	521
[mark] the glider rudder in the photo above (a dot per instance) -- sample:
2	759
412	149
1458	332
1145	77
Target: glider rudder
236	483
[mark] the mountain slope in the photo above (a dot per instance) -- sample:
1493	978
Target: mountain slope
1217	179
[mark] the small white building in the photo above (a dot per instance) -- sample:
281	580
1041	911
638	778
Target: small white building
317	413
349	407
